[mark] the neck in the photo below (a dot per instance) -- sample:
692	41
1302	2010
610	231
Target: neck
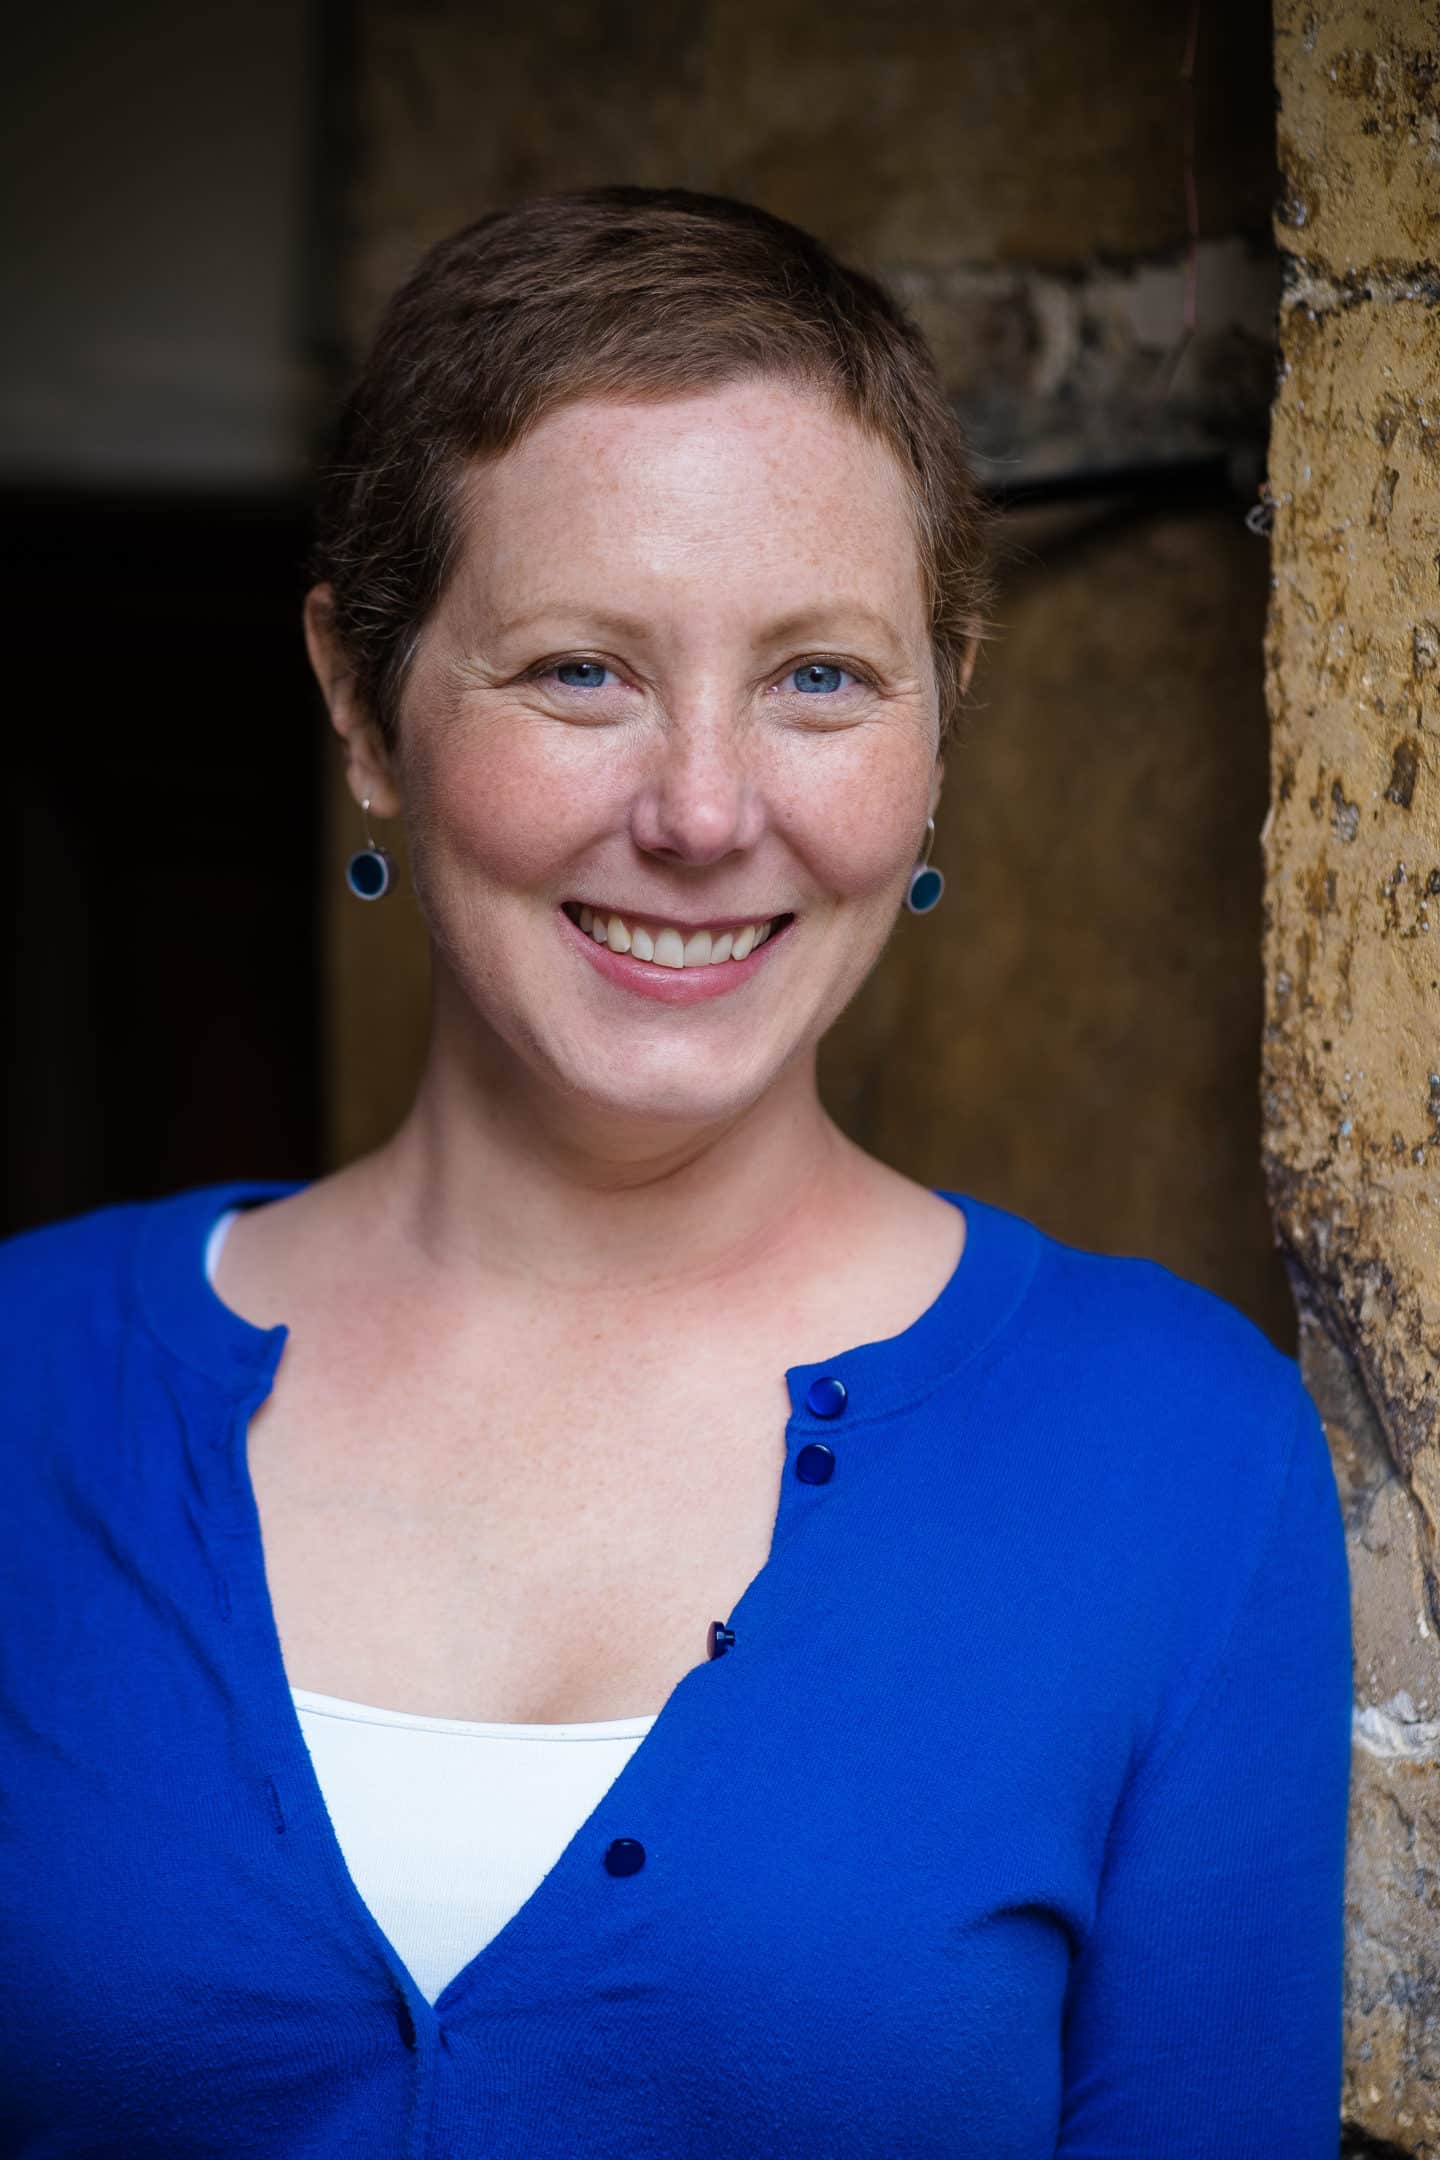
493	1176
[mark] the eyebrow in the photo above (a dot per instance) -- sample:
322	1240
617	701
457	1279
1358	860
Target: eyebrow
799	625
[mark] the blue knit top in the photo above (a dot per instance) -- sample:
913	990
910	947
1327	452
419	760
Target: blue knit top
1011	1823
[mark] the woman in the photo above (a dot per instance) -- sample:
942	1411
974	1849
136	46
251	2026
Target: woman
618	1624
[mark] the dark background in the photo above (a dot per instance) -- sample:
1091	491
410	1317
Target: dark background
168	325
166	970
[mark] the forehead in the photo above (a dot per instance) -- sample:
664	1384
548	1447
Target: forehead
748	482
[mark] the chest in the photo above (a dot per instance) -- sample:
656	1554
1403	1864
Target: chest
542	1548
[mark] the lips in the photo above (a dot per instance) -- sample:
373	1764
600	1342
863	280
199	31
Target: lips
668	983
664	945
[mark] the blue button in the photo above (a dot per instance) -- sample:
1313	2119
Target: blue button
825	1398
815	1464
624	1856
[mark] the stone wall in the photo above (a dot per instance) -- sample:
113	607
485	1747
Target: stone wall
1352	946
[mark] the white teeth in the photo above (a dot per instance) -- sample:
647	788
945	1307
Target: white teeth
669	947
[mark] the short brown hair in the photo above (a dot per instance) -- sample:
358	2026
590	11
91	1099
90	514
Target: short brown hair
625	291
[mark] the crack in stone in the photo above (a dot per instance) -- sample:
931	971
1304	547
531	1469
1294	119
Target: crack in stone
1307	286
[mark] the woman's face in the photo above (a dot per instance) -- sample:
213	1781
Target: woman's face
680	679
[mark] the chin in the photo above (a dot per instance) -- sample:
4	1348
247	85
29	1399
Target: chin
688	1092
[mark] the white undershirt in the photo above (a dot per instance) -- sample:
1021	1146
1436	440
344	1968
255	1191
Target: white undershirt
448	1827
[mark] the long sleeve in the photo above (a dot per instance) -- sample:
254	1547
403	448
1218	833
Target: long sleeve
1203	2020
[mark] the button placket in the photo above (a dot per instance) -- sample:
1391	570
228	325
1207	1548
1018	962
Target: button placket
823	1398
826	1397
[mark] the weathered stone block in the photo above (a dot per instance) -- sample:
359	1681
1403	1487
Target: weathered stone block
1352	1060
1359	134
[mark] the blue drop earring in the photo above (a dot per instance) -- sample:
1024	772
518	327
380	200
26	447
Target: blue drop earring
370	872
926	883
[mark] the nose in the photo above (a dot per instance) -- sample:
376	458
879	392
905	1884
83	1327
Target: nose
699	802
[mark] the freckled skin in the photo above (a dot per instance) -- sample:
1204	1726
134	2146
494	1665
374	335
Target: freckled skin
699	550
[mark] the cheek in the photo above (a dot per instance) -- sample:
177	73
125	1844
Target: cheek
514	803
854	815
505	809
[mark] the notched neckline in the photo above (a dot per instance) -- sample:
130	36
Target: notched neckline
985	1287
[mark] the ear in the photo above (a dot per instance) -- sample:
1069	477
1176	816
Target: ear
367	765
937	781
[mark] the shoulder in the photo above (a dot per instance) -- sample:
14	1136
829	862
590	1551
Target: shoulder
1178	1462
58	1272
1161	1345
66	1340
73	1291
1123	1319
1179	1418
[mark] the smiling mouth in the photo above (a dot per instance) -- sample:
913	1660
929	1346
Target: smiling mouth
665	946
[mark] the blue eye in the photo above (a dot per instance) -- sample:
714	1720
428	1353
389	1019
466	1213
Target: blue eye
821	675
581	674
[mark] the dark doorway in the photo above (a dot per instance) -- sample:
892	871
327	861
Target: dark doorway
163	1008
